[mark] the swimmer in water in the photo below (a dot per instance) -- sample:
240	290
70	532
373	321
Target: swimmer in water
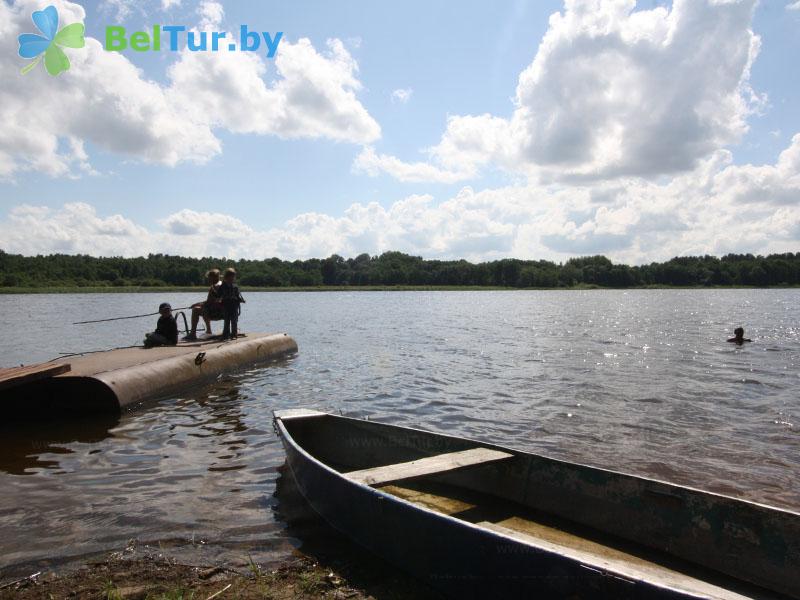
739	336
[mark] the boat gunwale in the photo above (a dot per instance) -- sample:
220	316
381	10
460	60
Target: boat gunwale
561	461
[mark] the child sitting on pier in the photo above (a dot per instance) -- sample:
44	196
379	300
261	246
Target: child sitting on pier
166	333
231	304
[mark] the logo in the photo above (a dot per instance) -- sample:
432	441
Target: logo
32	45
117	40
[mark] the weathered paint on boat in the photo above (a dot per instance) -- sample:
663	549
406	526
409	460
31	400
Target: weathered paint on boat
694	543
113	380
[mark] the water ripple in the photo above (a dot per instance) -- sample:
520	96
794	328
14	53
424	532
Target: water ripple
636	381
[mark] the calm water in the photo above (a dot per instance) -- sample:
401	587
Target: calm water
638	381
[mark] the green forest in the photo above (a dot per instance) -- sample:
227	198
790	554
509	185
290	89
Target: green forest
396	269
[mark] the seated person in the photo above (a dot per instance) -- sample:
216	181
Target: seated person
211	309
739	336
166	333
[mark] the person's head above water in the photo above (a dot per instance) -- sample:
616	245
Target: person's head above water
739	336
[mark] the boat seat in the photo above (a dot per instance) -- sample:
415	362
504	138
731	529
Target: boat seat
427	466
604	558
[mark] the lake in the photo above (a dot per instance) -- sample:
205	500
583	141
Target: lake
639	381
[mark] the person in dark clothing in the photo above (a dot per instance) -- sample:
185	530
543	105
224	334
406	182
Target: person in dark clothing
231	304
166	333
739	338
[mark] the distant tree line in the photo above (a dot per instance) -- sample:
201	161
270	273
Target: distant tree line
396	268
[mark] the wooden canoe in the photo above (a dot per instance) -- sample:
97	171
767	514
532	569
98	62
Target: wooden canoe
480	520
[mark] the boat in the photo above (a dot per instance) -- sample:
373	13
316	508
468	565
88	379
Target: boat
478	520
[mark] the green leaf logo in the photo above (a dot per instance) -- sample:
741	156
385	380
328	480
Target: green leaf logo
32	45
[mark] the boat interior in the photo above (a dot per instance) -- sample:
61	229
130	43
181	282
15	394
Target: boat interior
635	528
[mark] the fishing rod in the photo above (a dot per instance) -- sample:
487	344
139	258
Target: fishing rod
130	317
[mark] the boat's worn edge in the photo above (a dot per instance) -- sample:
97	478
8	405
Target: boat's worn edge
488	444
297	413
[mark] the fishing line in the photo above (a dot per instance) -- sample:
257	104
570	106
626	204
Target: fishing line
130	317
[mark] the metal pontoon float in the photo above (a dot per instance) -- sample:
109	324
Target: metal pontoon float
109	381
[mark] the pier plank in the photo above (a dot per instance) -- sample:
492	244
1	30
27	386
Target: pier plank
18	375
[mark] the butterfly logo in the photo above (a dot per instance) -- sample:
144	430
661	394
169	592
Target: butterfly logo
32	45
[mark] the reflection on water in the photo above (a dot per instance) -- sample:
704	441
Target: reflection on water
191	476
637	381
30	447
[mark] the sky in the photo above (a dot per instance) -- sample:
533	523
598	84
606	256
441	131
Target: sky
479	130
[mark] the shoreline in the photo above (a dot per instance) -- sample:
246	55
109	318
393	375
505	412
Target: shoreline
364	288
126	576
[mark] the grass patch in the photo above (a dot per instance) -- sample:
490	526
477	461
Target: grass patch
152	578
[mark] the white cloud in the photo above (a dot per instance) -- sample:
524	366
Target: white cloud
75	229
211	15
460	155
121	9
402	95
371	163
314	97
106	101
717	208
793	6
167	4
618	92
470	140
777	185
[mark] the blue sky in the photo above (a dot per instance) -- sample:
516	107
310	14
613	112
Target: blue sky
454	60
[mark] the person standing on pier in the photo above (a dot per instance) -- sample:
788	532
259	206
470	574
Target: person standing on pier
231	304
